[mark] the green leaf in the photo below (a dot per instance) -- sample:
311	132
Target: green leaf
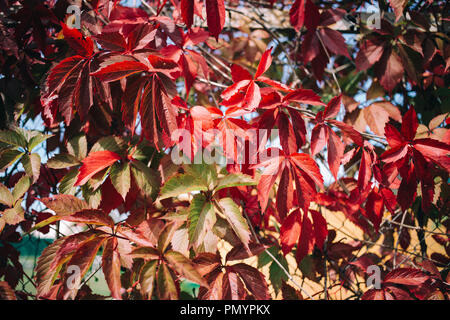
184	267
62	160
205	173
235	218
66	185
93	197
167	288
146	179
98	179
234	180
6	196
147	278
264	258
181	183
201	218
36	139
77	147
276	274
13	138
110	143
32	165
8	157
21	187
121	178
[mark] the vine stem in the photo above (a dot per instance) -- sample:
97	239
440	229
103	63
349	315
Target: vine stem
275	259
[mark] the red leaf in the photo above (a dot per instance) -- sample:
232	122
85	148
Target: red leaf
309	167
393	137
435	150
111	267
409	124
290	231
83	258
319	138
95	162
369	53
394	154
284	199
408	187
375	208
238	73
264	187
335	152
398	6
373	294
297	14
215	16
334	41
389	70
254	280
406	276
77	41
264	63
365	172
348	131
320	228
304	246
333	107
240	252
252	97
187	12
306	96
90	216
119	70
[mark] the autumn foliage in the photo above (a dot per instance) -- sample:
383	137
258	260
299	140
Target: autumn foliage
108	132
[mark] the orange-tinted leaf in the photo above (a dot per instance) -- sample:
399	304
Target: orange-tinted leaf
95	162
